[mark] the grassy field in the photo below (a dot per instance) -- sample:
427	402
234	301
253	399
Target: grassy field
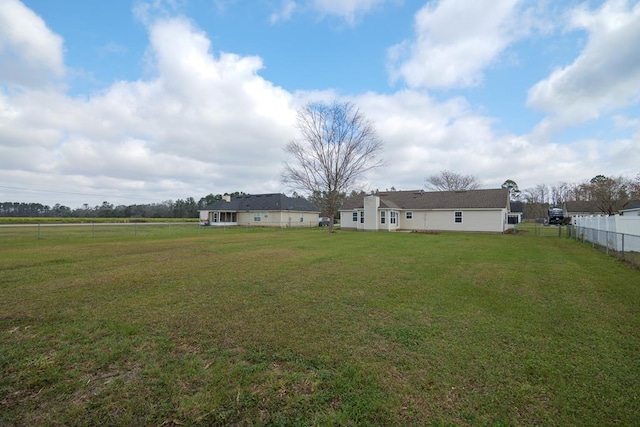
72	220
299	327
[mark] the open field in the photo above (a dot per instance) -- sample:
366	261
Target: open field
299	327
74	220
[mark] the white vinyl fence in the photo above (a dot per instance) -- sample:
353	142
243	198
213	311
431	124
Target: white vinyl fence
617	233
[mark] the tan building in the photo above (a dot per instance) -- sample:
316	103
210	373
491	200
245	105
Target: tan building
469	211
264	210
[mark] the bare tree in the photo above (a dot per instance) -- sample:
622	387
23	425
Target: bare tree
337	146
634	188
609	193
451	181
559	193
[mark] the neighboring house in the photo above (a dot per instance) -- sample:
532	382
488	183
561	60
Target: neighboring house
266	210
472	210
632	210
581	208
586	208
515	213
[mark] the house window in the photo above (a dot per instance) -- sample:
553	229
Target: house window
361	217
457	217
382	217
355	217
301	218
392	217
408	215
257	217
215	217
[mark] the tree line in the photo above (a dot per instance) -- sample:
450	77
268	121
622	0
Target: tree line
180	208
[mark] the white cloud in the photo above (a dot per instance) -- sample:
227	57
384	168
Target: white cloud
30	54
604	77
349	10
203	122
423	136
285	12
456	40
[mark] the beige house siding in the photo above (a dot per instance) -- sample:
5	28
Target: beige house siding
493	221
472	220
346	220
284	219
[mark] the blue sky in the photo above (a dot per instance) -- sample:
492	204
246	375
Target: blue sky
154	100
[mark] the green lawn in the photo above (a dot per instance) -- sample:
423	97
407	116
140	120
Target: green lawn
300	327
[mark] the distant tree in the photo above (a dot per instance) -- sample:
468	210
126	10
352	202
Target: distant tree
536	200
514	191
105	210
559	193
609	194
336	147
634	188
451	181
209	199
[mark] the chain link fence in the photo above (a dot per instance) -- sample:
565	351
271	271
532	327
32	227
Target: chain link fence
621	245
125	230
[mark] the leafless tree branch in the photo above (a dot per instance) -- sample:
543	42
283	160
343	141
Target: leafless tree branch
336	147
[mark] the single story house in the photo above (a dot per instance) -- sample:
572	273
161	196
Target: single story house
631	210
586	208
469	211
265	210
516	210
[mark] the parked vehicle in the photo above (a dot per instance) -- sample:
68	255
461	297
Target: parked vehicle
556	216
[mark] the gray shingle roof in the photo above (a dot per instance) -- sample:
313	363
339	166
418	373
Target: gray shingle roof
263	202
417	199
516	207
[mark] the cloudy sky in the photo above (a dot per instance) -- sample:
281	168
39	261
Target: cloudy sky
134	101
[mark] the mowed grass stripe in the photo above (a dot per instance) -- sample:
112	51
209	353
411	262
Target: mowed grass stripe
299	327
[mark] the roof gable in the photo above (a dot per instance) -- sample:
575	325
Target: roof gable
263	202
418	199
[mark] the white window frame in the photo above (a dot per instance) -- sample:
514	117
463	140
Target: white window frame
393	217
457	217
408	215
354	216
382	217
257	217
361	217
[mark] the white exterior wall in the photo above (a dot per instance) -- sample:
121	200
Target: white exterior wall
493	221
346	220
419	221
371	215
272	218
282	219
472	220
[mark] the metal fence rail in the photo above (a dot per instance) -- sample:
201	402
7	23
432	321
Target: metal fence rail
121	230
